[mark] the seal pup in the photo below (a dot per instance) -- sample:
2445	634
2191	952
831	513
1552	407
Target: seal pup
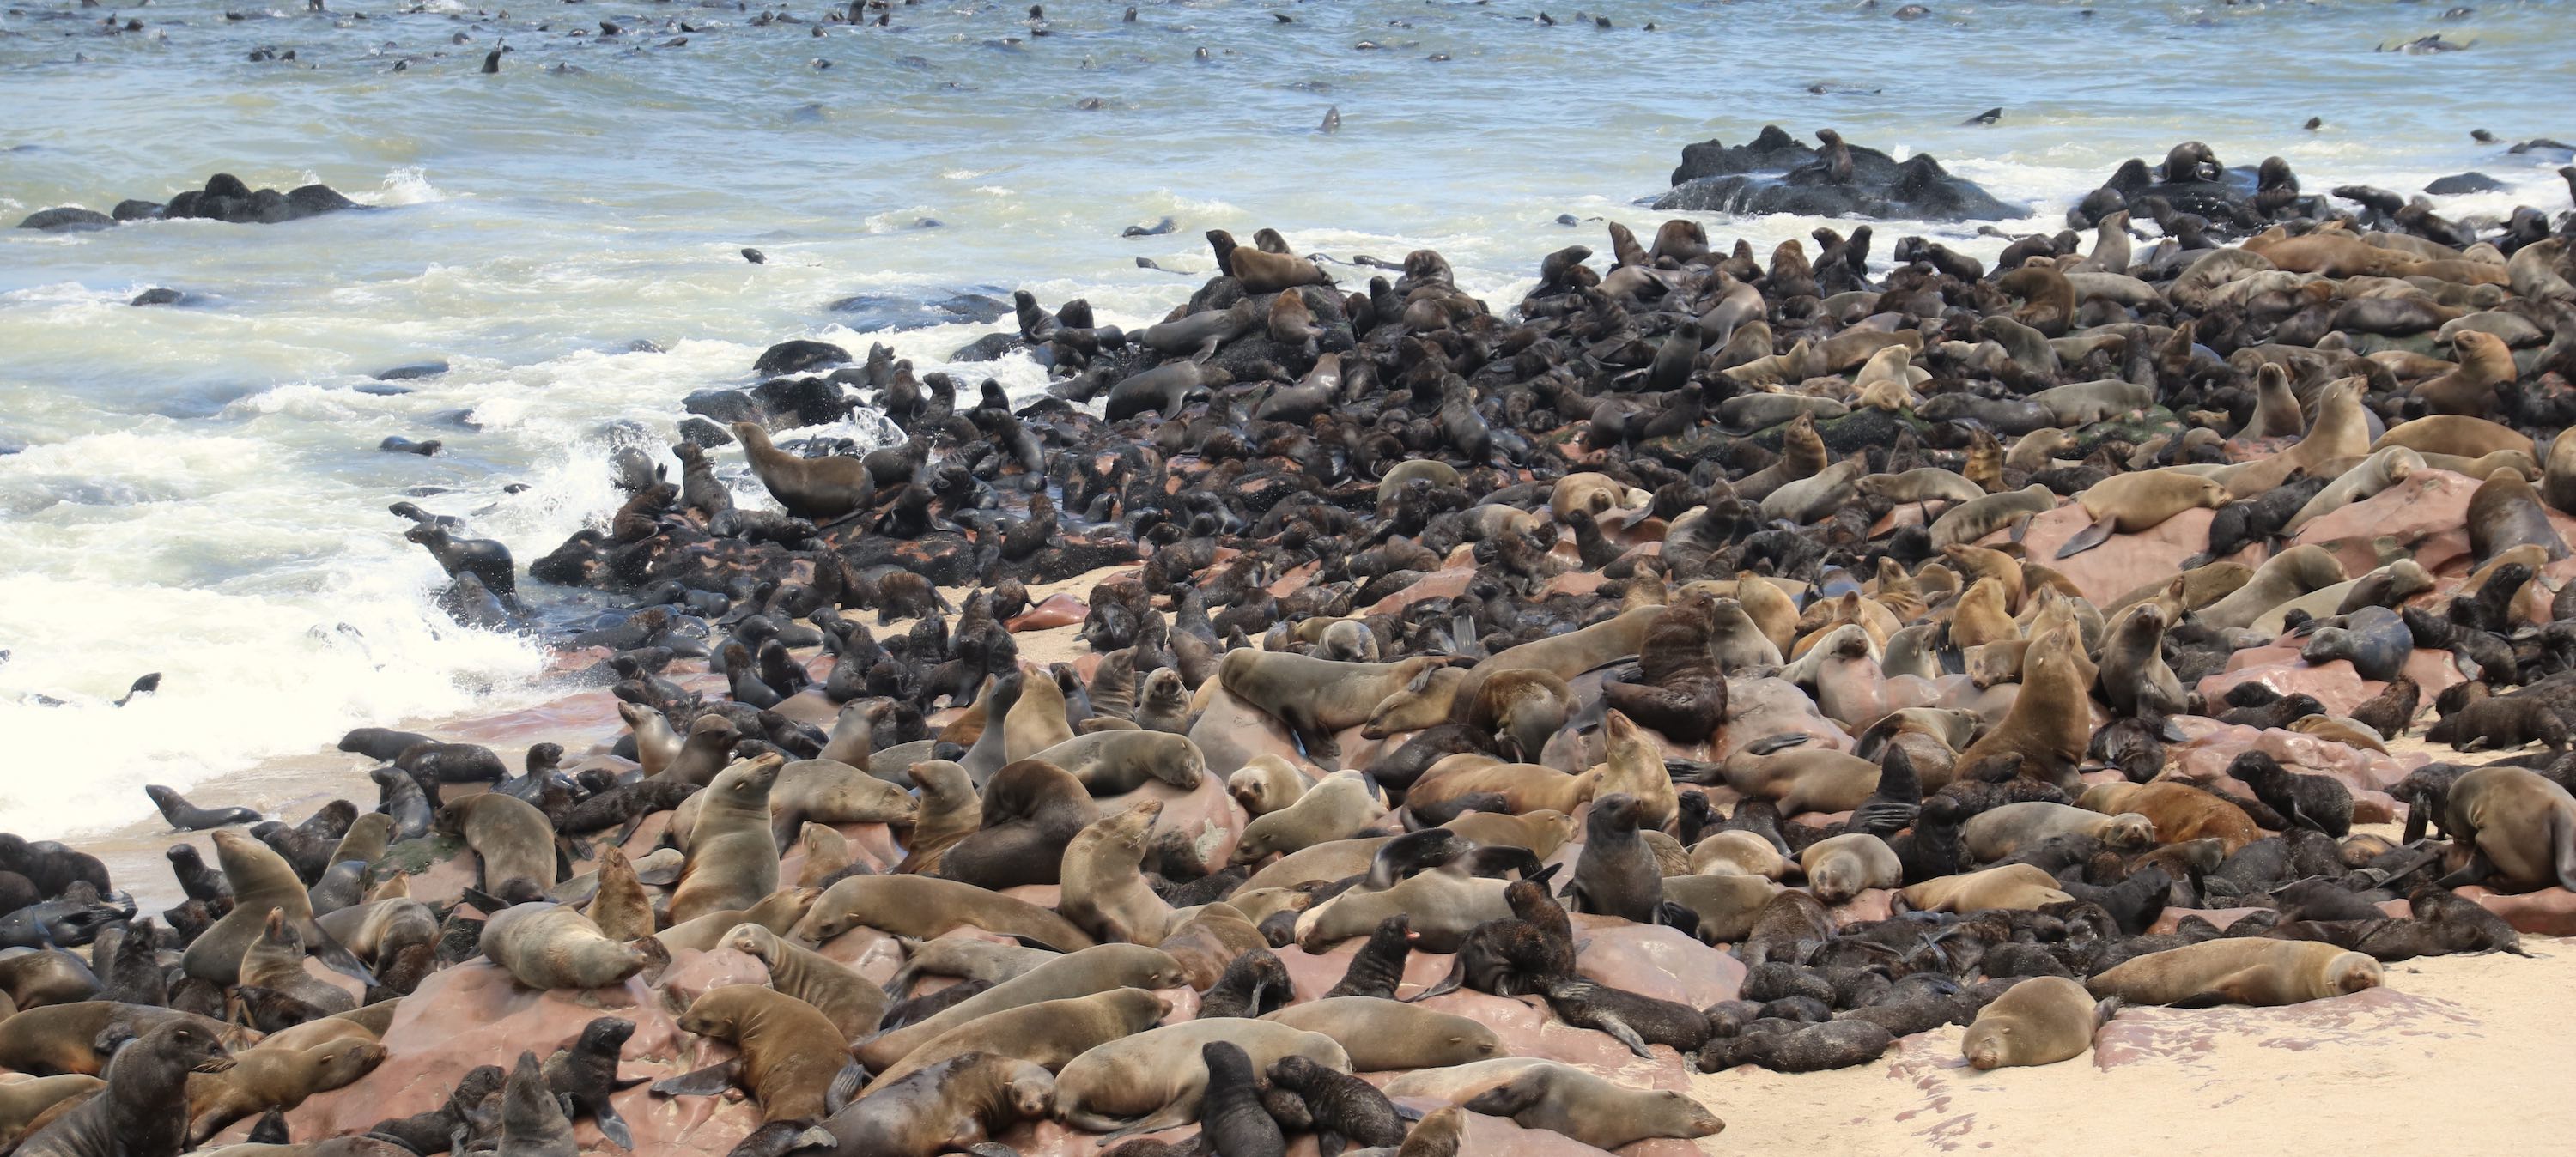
188	817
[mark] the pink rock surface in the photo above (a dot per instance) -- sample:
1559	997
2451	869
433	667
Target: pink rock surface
2112	569
2427	513
2203	758
2548	912
474	1014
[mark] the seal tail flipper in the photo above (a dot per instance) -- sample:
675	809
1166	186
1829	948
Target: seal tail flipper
1169	1117
612	1126
2089	537
1456	979
710	1081
490	904
333	954
2103	1010
1678	917
845	1088
774	1139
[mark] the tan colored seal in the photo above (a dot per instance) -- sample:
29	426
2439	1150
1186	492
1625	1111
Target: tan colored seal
1560	1098
261	881
2039	1021
733	853
1315	697
550	946
1154	1079
270	1077
1841	867
2009	886
1098	969
851	1003
515	841
2244	970
1384	1035
1336	808
2518	822
1104	891
1047	1033
820	489
790	1052
1999	832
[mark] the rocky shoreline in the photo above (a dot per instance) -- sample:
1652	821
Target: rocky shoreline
1711	659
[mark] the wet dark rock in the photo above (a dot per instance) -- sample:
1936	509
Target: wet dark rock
134	210
725	407
158	295
701	432
1778	174
413	372
990	347
67	220
877	312
2469	182
225	198
794	357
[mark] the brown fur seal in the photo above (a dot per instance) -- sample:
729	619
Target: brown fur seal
949	811
1633	765
1047	1033
1523	787
733	853
2050	721
2134	677
22	1102
1443	902
1727	906
829	791
275	962
550	946
2505	512
1097	969
2250	971
1545	1094
1681	689
1036	719
260	880
1338	807
270	1077
1266	784
2039	1021
1441	700
820	489
1997	833
1315	697
513	839
777	911
2520	826
791	1054
923	908
1841	867
2456	434
1154	1079
620	909
141	1112
2179	811
1803	779
1117	762
1031	810
1522	709
1383	1035
2130	503
1104	890
851	1003
65	1038
2021	886
1264	272
954	1105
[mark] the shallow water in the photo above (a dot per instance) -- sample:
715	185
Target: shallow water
198	491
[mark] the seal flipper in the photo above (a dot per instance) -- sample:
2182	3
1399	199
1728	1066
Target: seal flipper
774	1139
710	1081
1675	916
490	904
2103	1010
2476	870
333	954
611	1125
1451	983
2090	537
845	1088
1168	1117
1781	742
1619	1030
1505	1100
662	877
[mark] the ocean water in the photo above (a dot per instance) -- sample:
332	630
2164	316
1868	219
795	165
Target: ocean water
195	490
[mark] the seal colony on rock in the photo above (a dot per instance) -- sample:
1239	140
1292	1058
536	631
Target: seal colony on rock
1724	658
